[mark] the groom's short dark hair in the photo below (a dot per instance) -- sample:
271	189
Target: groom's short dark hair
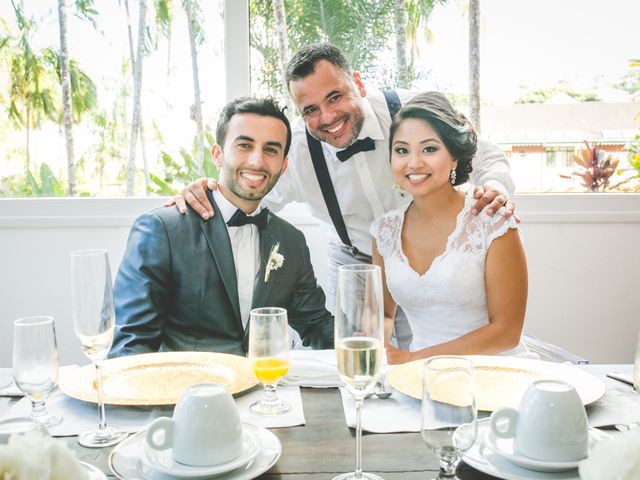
303	62
266	107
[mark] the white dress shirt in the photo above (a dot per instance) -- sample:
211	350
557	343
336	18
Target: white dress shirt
363	184
245	245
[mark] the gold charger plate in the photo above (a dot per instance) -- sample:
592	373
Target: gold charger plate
501	381
157	378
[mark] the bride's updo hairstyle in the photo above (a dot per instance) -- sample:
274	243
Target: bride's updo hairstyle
453	128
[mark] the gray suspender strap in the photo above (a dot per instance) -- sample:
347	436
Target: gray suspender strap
393	102
324	179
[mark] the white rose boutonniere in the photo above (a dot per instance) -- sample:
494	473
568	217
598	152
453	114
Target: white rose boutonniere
274	262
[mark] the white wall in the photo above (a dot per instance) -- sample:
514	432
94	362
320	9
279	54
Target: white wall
583	253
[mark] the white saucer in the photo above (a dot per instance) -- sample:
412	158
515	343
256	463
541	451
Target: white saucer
125	459
484	459
162	460
505	447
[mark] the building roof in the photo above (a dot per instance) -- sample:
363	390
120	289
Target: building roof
543	123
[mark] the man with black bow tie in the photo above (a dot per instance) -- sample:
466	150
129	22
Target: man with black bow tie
189	284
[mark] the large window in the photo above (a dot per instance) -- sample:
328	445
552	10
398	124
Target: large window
164	74
537	91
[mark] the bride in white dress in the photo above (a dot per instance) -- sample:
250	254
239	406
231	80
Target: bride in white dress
460	278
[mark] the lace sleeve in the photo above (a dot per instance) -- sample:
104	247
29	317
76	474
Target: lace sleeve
498	225
386	230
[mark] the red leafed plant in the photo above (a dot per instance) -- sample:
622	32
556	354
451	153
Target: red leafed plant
597	167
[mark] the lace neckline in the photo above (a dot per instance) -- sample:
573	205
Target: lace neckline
452	236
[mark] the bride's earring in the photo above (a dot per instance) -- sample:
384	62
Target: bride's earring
453	176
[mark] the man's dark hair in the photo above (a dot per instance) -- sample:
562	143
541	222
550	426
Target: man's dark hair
267	107
456	132
303	62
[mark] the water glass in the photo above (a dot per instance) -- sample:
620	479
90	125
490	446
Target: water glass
269	356
94	323
359	330
449	416
35	364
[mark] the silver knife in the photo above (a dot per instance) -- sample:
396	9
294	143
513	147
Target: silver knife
622	377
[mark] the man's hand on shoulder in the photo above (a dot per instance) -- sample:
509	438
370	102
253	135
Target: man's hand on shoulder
196	196
490	199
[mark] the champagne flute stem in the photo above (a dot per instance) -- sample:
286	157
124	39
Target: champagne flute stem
358	472
103	417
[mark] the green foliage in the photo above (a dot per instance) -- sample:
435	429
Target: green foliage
48	186
176	173
360	28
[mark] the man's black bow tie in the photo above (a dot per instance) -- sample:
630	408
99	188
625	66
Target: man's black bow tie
364	145
240	218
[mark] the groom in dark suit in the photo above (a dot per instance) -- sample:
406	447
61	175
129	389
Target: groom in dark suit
189	284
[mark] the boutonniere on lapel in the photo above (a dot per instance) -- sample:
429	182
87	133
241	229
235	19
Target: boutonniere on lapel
274	262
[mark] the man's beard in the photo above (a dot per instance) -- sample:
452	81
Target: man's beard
356	120
242	193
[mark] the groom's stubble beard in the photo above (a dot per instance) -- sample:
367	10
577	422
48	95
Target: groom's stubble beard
229	181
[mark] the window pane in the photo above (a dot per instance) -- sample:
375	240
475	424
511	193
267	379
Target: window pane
536	91
175	130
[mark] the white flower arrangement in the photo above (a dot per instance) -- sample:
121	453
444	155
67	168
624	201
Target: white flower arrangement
274	262
34	456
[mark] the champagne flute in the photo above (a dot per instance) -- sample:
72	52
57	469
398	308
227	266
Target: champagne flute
35	364
359	329
269	356
449	417
94	323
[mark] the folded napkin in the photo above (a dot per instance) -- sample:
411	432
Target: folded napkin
613	459
78	416
312	368
618	405
35	456
398	413
289	394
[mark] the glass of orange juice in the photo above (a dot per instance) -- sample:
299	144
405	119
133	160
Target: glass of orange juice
269	356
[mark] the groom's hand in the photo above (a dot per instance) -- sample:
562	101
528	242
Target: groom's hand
490	199
196	196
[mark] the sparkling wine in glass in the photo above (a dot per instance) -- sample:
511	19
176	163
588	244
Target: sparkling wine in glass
94	323
35	364
359	329
449	416
269	356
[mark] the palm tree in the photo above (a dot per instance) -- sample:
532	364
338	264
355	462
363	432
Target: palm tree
32	83
410	17
474	62
143	142
137	94
196	37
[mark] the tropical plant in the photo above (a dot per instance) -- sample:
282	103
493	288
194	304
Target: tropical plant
32	81
596	167
176	173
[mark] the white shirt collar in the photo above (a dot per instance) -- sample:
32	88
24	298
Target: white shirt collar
227	208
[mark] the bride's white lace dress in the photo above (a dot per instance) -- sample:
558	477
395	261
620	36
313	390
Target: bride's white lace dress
449	300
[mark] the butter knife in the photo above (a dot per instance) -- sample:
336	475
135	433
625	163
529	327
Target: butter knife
622	377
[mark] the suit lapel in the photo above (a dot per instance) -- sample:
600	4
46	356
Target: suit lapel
215	231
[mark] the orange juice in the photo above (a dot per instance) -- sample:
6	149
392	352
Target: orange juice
270	370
